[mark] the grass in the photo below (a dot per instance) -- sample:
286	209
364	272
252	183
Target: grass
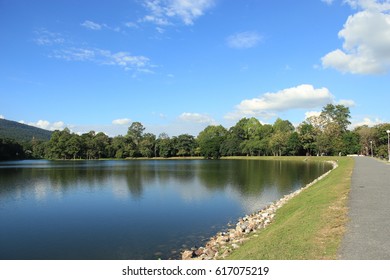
310	226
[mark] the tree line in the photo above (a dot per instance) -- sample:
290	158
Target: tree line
326	134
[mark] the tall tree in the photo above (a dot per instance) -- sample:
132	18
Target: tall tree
231	145
294	145
101	143
135	134
279	140
210	141
164	145
307	136
251	138
120	146
57	147
74	146
350	144
147	145
381	137
338	114
235	136
89	151
366	136
185	145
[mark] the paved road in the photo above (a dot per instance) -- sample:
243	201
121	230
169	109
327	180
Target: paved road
368	231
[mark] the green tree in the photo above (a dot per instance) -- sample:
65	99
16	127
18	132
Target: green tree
265	132
164	145
185	145
279	140
147	145
251	146
338	114
120	146
250	127
334	121
366	135
57	146
307	136
38	148
294	144
135	134
329	129
10	150
210	141
235	137
74	146
101	144
351	143
251	139
381	138
88	145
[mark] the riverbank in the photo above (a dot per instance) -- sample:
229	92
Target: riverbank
309	226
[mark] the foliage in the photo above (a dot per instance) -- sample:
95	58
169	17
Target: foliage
210	141
338	115
375	138
10	150
325	134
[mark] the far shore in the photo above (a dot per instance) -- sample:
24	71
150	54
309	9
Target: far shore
314	158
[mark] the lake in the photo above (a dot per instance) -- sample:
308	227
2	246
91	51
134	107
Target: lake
133	209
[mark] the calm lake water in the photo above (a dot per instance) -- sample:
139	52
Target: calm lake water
143	209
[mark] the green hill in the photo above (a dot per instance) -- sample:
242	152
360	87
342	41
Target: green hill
22	132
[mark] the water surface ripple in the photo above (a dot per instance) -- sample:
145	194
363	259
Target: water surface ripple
141	209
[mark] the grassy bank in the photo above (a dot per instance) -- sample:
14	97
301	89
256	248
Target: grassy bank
310	226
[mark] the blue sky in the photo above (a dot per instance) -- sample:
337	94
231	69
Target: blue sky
177	66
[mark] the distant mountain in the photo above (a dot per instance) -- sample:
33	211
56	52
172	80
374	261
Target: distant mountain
22	132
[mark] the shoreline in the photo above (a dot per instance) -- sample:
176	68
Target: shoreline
222	244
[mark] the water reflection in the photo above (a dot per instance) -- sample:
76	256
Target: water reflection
132	209
247	177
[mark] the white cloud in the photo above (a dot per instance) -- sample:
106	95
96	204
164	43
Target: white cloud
161	11
91	25
160	30
366	35
99	26
312	114
300	97
372	5
121	121
74	54
125	60
347	102
46	124
106	57
329	2
196	118
130	24
243	40
2	117
44	37
57	125
156	20
366	121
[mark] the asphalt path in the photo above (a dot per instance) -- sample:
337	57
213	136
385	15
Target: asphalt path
368	231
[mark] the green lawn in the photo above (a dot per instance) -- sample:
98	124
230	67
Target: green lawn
310	226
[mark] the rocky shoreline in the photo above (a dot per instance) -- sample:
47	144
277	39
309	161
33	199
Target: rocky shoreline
223	243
